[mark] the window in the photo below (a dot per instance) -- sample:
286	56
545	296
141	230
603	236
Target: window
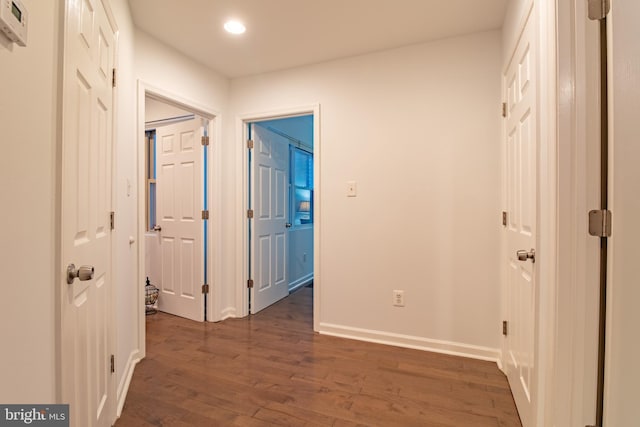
301	187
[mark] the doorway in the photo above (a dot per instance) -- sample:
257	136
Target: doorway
194	159
297	221
175	238
281	187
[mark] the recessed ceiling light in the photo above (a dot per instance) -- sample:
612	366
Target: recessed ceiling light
234	27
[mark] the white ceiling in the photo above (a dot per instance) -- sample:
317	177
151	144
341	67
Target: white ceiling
289	33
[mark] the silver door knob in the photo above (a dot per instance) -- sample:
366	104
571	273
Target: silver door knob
288	225
524	255
157	228
83	273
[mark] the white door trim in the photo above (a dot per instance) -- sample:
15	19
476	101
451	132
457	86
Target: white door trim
213	194
575	337
242	190
547	207
116	409
621	376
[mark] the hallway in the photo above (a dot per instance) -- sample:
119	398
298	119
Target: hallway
271	369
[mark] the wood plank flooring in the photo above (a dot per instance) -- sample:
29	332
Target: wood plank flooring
271	369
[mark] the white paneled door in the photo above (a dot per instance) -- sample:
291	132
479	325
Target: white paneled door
521	176
180	200
87	336
270	201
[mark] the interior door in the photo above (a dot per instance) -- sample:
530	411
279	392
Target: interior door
622	374
270	202
521	149
87	319
180	201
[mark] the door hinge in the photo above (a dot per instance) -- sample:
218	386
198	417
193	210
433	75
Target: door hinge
600	223
205	141
205	288
504	218
599	9
250	213
504	109
112	220
504	328
250	283
250	144
113	77
113	364
205	214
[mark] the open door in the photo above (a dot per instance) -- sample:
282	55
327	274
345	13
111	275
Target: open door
269	200
521	167
87	323
179	183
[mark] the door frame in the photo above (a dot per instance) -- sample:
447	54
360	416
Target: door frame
242	204
576	347
213	261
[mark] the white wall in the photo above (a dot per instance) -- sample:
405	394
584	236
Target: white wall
168	69
418	129
158	110
300	128
28	177
300	256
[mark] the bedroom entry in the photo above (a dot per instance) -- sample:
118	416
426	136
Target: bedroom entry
281	208
175	237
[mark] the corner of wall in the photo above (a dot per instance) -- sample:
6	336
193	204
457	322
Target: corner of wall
125	380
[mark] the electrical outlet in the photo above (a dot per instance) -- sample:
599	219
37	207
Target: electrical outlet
398	298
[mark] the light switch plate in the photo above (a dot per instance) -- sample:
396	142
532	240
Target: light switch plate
352	189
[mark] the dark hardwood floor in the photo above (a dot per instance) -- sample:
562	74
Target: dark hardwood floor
271	369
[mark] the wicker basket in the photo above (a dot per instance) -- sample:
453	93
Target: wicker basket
150	297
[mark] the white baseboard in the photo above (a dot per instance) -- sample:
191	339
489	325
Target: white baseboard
228	313
303	281
123	386
500	365
408	341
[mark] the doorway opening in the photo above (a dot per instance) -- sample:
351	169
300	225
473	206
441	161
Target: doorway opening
167	163
175	232
281	205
